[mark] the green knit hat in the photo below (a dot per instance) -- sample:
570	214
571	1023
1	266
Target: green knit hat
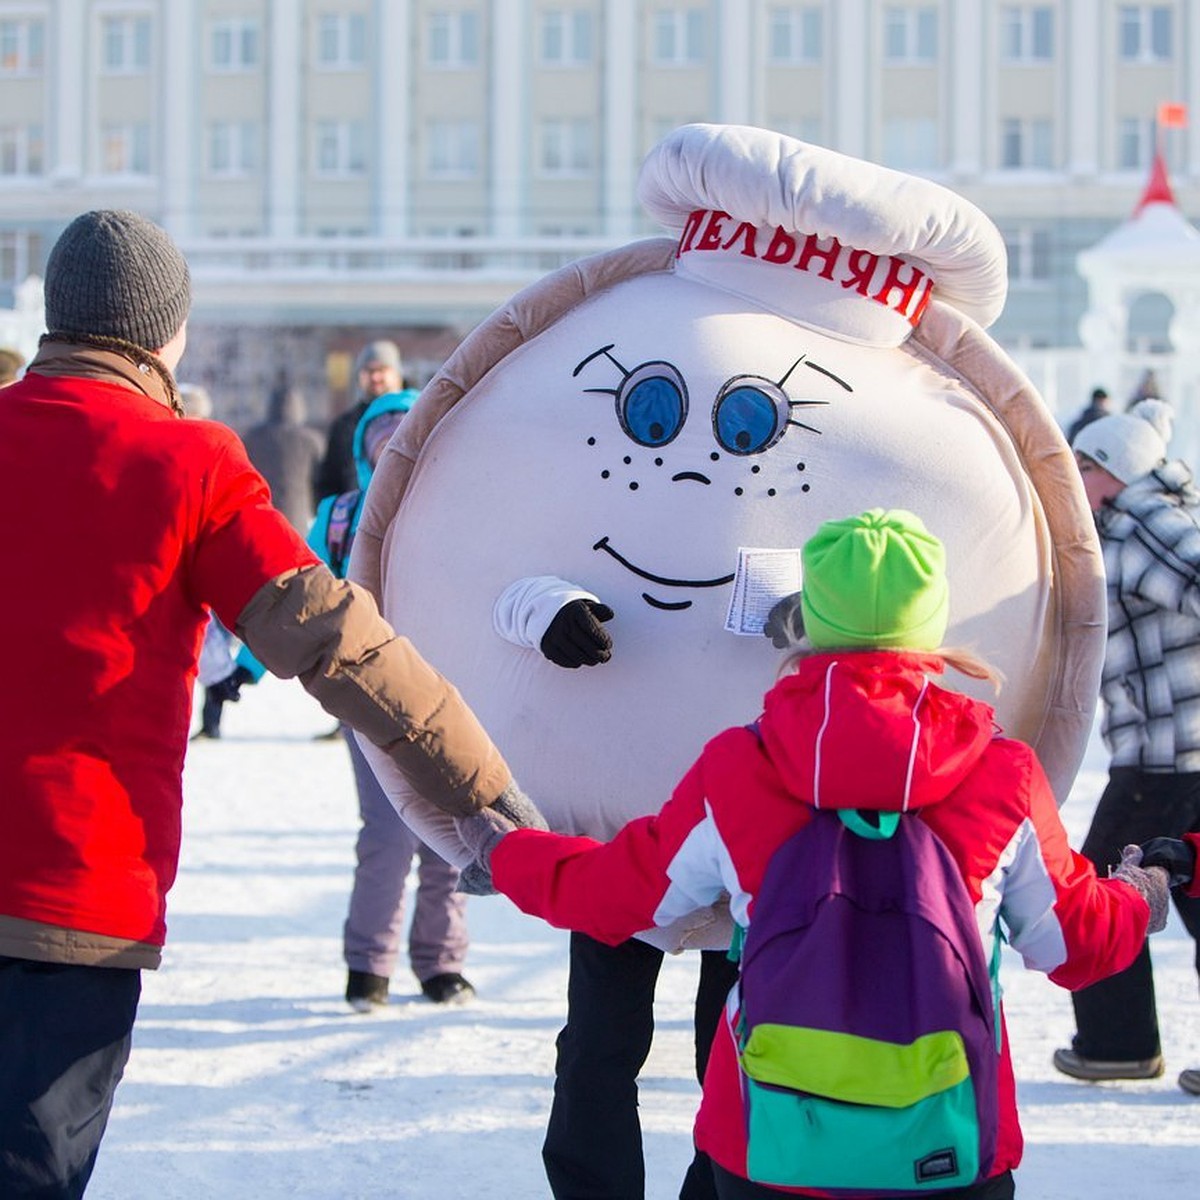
878	579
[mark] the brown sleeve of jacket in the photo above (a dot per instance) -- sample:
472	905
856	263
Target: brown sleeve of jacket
328	633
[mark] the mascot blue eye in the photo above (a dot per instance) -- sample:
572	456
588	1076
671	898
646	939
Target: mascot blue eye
750	414
652	404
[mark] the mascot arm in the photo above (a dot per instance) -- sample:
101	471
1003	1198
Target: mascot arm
434	826
527	608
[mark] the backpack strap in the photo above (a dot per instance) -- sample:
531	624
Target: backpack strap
854	821
339	536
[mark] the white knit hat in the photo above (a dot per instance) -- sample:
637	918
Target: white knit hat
1131	444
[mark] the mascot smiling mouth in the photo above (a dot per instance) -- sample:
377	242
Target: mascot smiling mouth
603	544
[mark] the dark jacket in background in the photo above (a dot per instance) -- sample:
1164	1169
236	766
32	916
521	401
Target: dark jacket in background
337	472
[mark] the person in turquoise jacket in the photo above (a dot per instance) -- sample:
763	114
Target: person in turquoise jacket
437	942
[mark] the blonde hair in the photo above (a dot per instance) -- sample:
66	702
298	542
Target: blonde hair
965	661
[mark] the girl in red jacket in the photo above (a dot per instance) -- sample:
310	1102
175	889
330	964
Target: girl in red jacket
857	722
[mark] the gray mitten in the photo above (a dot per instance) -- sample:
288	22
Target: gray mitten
481	833
785	622
1151	882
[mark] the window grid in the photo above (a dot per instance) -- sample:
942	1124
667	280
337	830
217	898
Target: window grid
910	35
22	47
1144	33
565	38
1026	33
453	150
126	45
453	40
341	41
1029	254
233	148
795	35
234	45
125	149
1026	144
22	151
565	147
678	37
340	149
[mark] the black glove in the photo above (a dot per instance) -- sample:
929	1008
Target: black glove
228	691
576	637
785	624
1175	856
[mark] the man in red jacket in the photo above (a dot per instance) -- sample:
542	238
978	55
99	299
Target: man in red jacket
134	525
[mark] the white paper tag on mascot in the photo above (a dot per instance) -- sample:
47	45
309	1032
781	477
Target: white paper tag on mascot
763	578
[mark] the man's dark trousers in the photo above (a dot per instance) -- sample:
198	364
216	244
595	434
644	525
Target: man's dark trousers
65	1034
593	1147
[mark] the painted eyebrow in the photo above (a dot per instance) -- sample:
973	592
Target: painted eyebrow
812	366
604	350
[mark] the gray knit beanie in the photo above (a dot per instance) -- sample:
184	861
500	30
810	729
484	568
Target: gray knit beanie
113	273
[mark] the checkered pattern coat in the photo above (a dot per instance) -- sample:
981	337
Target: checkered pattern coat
1151	680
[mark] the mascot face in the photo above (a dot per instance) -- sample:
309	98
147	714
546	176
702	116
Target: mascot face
631	449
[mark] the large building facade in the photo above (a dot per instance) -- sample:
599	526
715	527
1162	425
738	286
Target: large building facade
337	169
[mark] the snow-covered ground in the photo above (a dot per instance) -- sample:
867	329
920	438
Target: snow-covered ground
250	1078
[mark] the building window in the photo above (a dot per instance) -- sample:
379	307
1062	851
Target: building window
126	45
911	143
453	149
340	148
1026	33
20	256
794	34
125	149
1026	144
1135	143
233	45
565	37
565	146
22	47
1144	32
453	39
910	36
678	37
1028	254
233	148
22	151
341	41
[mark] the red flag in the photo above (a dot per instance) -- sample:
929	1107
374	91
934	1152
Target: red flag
1172	116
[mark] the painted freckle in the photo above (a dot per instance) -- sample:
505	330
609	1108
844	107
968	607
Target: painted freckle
627	460
603	474
737	491
591	441
633	487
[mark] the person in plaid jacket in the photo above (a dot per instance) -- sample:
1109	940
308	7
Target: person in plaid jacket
1147	512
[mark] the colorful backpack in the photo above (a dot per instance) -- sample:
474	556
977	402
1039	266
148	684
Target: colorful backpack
867	1029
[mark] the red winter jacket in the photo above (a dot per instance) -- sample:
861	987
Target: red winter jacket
847	730
162	517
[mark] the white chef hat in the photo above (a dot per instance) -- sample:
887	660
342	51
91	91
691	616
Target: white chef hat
832	242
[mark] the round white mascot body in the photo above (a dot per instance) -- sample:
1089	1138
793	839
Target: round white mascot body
632	440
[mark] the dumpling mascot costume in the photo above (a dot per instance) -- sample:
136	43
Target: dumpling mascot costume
809	342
